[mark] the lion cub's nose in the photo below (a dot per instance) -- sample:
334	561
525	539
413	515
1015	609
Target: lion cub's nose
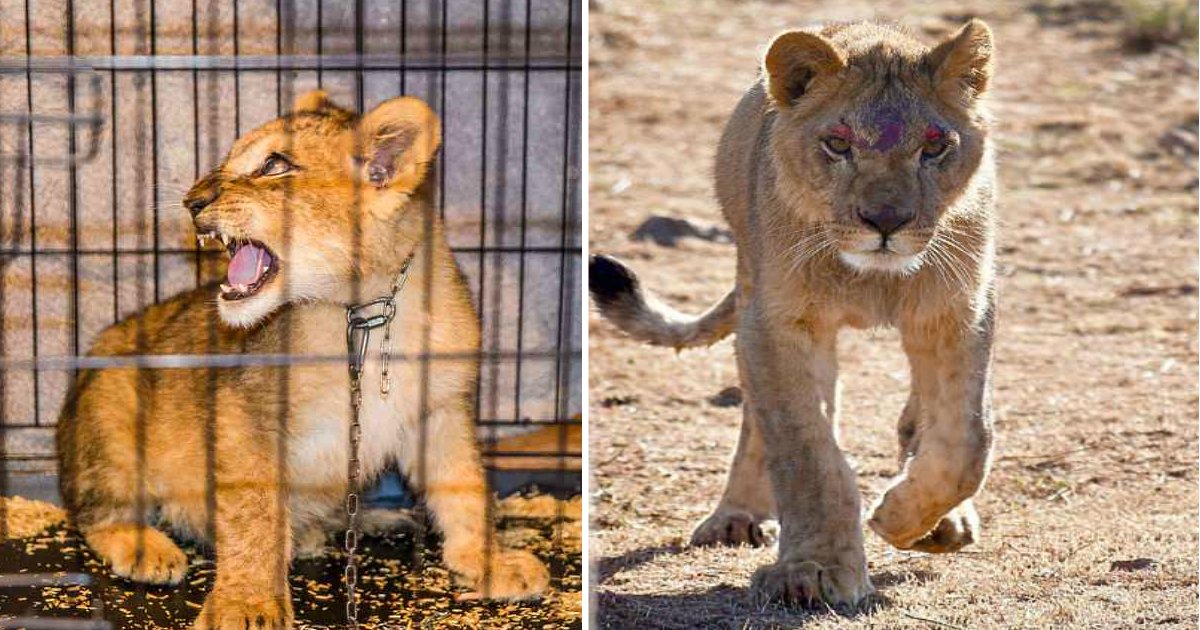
886	219
199	197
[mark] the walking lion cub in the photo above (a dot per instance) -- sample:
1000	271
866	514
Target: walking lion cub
858	178
319	210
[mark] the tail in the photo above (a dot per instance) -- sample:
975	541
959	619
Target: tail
619	296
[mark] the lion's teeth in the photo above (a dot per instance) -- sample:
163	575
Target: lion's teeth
202	239
242	288
226	288
225	239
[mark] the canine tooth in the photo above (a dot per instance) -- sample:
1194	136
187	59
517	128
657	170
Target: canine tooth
242	288
226	288
202	239
225	239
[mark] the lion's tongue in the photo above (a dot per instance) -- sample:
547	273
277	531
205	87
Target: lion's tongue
249	263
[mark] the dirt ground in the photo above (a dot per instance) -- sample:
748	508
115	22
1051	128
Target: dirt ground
1090	512
403	583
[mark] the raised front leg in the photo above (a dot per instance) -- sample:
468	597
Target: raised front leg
951	443
747	500
960	527
791	374
253	549
445	466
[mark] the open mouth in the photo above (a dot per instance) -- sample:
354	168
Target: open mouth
251	266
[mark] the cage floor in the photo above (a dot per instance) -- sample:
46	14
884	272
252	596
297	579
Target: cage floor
402	584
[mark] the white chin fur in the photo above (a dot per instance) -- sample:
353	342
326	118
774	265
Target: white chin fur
886	263
248	312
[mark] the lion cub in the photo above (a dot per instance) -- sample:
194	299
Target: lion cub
319	210
858	178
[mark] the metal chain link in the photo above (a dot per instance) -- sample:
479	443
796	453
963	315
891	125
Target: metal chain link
385	351
351	542
358	338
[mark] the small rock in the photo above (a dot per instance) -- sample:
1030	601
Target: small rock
1180	141
667	231
1184	289
622	185
1137	564
728	397
618	401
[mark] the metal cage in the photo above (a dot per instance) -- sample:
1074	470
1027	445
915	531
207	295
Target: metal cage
108	112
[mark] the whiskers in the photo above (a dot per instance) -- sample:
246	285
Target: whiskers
813	242
955	262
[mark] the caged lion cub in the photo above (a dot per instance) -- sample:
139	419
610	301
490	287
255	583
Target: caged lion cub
319	210
858	177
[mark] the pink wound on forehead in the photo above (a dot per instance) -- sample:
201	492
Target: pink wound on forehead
842	130
891	132
934	132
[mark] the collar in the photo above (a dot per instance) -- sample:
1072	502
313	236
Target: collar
362	318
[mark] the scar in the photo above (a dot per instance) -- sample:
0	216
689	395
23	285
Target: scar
891	129
889	122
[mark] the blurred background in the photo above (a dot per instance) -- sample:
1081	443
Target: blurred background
1089	516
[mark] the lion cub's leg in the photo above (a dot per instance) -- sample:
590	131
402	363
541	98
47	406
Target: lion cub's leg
747	500
253	543
960	527
906	427
952	442
101	487
111	527
445	466
792	371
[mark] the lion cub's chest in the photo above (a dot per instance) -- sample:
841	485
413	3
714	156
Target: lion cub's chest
320	407
865	302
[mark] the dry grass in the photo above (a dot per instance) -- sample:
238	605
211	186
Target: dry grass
1152	23
1090	511
25	517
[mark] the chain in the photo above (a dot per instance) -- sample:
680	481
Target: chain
385	351
358	337
351	541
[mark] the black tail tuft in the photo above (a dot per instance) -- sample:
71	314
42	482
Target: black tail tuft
609	280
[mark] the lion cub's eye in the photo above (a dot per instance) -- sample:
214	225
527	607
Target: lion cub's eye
934	148
836	146
276	164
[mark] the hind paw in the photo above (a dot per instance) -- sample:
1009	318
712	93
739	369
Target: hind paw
141	554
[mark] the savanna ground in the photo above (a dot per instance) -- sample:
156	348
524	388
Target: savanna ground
1090	512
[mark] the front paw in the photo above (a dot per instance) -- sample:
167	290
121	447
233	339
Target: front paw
141	554
956	530
809	583
514	575
902	517
731	526
233	610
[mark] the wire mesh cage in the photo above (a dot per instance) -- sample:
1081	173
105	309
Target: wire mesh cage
109	112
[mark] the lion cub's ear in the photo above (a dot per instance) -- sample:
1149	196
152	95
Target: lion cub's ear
962	64
399	138
316	101
794	61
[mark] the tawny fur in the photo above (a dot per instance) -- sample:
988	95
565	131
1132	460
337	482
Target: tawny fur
805	269
253	458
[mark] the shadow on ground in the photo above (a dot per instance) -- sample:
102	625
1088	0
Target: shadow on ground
722	606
